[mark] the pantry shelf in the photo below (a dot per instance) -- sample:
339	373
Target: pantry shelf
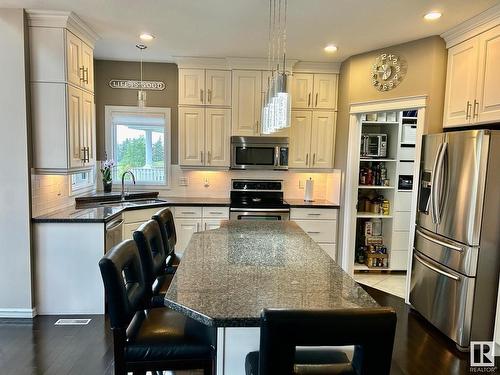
380	122
375	187
364	159
369	215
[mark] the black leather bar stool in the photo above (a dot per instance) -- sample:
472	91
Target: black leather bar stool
281	331
165	220
149	340
153	257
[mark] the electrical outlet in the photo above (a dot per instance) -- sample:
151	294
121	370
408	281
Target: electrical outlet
183	181
301	184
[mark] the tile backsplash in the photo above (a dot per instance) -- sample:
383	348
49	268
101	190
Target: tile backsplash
50	193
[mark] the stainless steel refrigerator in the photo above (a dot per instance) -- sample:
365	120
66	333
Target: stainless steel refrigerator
456	257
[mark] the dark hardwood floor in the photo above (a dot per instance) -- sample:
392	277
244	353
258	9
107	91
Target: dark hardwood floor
38	347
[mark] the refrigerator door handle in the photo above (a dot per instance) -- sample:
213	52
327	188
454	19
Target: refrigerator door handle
439	242
439	182
433	197
435	269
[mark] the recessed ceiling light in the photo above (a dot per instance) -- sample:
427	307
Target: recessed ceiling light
434	15
146	37
330	48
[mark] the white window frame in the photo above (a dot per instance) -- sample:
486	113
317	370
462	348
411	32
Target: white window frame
84	186
110	110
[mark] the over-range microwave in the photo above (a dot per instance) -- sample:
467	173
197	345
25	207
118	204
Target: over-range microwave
259	153
373	145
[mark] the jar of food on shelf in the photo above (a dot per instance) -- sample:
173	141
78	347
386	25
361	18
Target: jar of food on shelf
376	227
385	207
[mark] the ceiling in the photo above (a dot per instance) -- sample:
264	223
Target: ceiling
239	28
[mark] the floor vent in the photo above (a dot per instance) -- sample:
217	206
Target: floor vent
72	322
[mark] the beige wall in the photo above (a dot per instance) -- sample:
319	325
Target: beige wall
15	215
105	70
426	73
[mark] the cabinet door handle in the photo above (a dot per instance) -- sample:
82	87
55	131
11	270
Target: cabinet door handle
209	92
201	156
309	100
209	156
82	76
314	158
307	159
201	96
197	227
83	149
257	127
476	105
467	114
86	75
316	100
205	226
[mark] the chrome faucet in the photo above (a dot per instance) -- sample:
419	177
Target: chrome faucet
123	182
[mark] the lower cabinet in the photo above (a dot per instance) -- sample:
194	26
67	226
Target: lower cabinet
192	219
135	218
320	224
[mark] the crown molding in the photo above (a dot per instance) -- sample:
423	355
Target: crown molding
472	27
62	19
317	67
201	62
394	104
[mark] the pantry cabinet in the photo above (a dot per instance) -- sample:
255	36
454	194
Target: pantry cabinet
473	81
62	97
312	137
204	137
314	91
205	87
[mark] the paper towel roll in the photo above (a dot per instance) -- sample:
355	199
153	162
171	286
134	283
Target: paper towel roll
308	193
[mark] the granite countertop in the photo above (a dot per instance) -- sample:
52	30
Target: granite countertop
228	275
317	203
93	214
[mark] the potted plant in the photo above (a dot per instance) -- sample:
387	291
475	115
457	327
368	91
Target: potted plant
107	179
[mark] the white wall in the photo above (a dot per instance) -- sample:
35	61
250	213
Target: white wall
15	214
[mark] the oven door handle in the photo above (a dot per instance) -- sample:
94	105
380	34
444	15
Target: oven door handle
259	210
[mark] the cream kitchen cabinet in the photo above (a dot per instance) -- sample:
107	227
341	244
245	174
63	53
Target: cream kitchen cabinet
473	81
192	219
320	224
314	91
248	91
312	138
205	87
62	100
204	136
247	102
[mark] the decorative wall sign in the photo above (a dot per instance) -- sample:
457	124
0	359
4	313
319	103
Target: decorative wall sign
136	85
387	71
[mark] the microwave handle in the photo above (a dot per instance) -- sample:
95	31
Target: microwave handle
276	156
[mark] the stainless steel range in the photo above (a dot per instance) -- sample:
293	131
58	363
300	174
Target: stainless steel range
258	200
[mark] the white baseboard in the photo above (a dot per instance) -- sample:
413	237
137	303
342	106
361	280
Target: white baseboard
17	313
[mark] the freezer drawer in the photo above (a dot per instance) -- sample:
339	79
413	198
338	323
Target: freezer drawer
442	296
452	254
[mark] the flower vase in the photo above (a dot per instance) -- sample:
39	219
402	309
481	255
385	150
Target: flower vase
107	186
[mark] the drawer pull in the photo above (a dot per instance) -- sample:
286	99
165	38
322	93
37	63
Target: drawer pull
188	212
314	232
313	214
216	213
424	263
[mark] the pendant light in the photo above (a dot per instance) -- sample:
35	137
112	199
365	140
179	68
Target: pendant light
276	110
141	94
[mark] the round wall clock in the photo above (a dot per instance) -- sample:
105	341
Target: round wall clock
387	71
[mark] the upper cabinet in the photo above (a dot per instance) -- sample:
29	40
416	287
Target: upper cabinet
247	102
473	81
310	91
312	136
62	97
204	136
205	87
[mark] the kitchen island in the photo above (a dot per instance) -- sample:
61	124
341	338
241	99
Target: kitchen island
228	275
